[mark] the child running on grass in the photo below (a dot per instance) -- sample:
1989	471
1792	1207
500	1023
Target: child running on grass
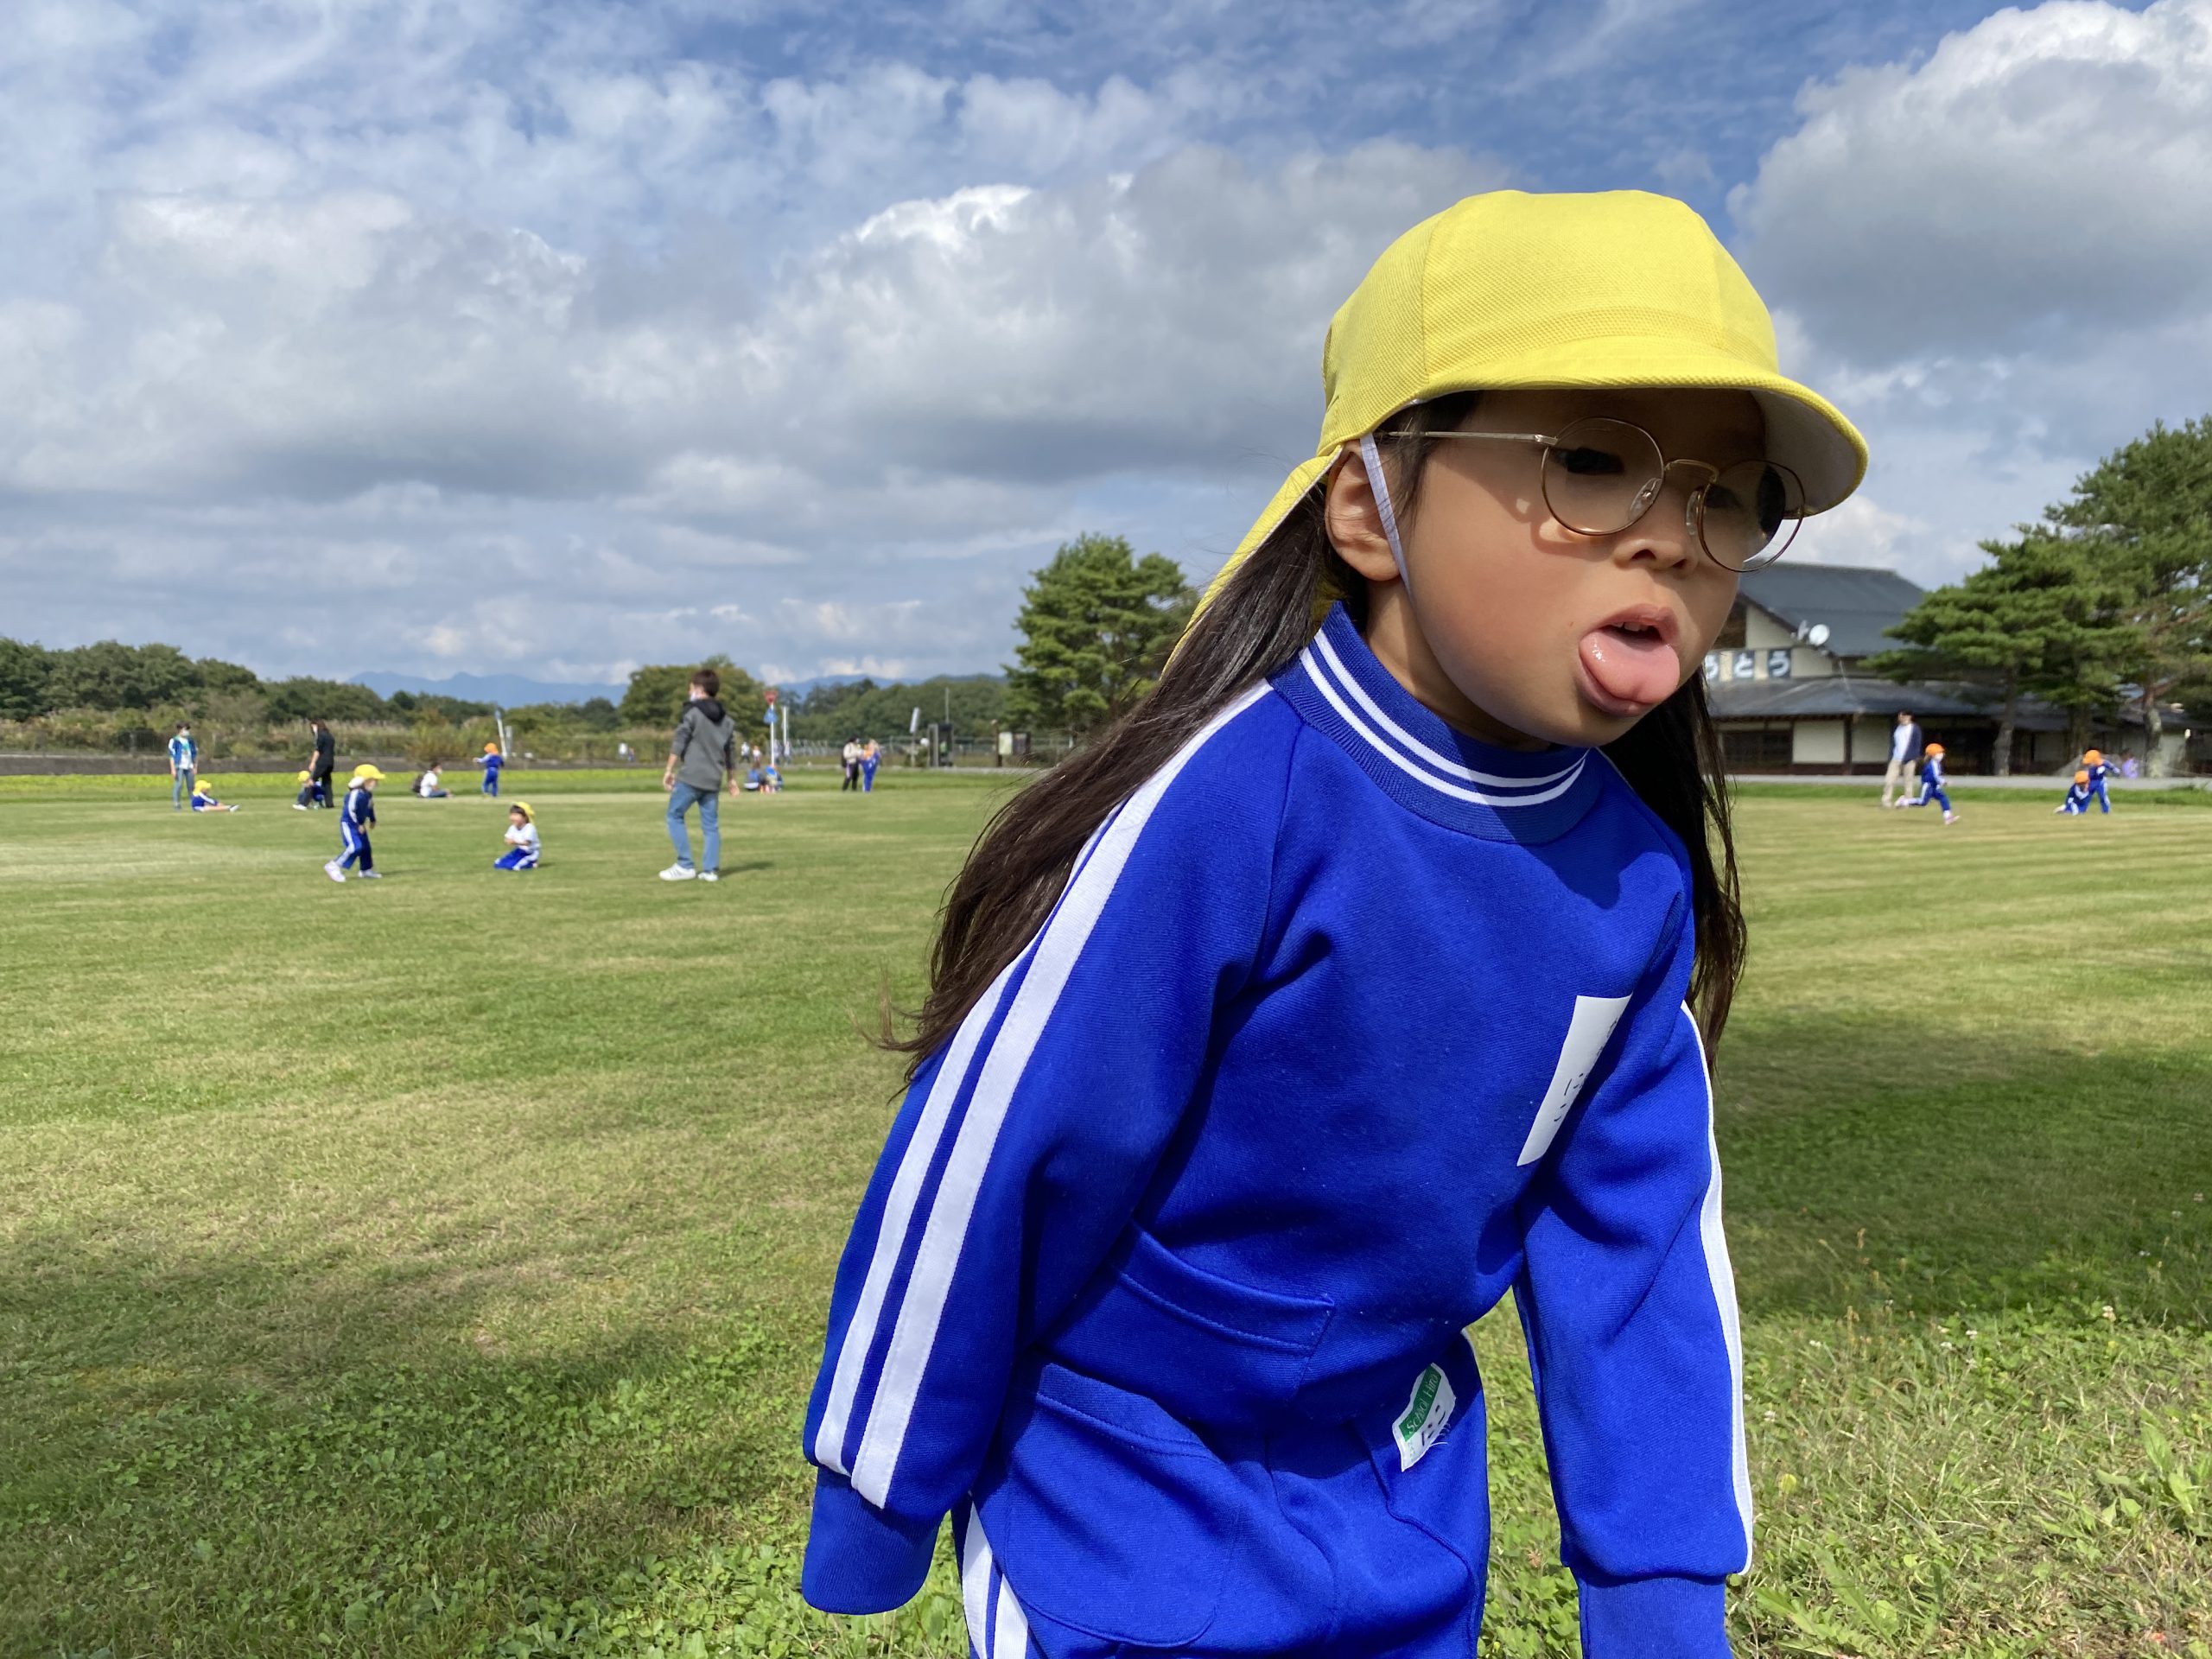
1931	783
521	839
2078	797
491	762
355	819
1364	970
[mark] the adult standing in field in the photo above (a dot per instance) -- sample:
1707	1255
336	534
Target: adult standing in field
319	768
184	765
852	755
1906	742
701	753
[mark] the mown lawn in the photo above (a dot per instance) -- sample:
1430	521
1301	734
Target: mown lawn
436	1267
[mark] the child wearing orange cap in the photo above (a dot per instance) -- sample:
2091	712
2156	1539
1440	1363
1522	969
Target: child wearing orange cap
491	762
1360	973
2100	769
1931	783
2078	797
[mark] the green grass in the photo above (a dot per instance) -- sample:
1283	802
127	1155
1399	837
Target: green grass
436	1267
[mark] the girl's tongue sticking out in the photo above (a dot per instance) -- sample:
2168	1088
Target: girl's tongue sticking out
1630	663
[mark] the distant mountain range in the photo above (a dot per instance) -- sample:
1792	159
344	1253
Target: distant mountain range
507	690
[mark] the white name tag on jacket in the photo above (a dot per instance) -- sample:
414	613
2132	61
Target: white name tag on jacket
1587	1035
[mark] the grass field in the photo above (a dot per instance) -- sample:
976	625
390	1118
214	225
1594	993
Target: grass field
437	1266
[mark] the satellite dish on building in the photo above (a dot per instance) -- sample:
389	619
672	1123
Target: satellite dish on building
1817	634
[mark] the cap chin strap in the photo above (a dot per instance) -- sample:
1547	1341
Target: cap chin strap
1372	459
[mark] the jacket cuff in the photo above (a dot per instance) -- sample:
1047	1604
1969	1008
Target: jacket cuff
859	1560
1653	1618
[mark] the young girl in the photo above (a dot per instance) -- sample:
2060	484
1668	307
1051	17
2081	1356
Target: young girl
491	762
355	819
521	839
203	798
1362	973
1931	783
2078	797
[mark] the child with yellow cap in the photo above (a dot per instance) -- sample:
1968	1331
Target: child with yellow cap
2078	797
1363	972
521	839
355	819
492	761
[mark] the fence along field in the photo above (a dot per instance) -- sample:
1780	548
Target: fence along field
392	1269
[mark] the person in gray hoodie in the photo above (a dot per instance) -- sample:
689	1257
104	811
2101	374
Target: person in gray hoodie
701	755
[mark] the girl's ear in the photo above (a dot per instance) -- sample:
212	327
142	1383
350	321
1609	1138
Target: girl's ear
1354	521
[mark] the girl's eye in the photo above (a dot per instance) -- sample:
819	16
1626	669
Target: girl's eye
1587	462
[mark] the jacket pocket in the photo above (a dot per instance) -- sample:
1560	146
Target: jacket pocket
1109	1514
1213	1351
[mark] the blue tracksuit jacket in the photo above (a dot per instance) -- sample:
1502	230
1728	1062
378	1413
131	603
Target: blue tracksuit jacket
2098	773
1345	1024
2078	797
355	819
491	763
1931	785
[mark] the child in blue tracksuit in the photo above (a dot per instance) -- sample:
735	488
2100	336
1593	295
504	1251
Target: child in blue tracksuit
2099	770
491	762
871	757
2078	797
1931	783
521	839
203	799
1363	973
356	817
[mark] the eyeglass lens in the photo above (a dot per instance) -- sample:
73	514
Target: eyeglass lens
1601	476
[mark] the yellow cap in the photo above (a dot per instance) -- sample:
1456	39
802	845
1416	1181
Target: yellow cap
2081	777
2094	757
1509	291
490	748
303	776
365	770
522	807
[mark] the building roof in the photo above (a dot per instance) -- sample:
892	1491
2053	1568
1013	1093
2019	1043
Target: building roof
1842	694
1856	602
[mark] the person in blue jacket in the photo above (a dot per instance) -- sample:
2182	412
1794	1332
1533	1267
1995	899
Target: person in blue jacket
2078	797
356	817
184	765
1931	783
1363	972
2099	770
491	762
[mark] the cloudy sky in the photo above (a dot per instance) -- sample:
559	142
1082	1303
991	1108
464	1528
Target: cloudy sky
551	336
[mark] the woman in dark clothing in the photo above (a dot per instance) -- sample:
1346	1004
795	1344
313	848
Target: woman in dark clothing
319	768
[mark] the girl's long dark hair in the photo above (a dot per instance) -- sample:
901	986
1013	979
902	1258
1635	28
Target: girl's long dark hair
1262	619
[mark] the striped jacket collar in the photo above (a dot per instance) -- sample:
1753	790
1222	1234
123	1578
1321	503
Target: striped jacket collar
1344	693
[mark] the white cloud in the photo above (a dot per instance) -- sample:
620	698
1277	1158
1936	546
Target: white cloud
2041	175
1999	259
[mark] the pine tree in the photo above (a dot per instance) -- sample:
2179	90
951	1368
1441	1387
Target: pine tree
2037	618
2144	519
1098	624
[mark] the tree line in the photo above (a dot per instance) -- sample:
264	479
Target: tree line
2104	602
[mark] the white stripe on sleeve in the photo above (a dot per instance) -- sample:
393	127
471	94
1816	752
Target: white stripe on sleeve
898	1218
1723	1275
1054	959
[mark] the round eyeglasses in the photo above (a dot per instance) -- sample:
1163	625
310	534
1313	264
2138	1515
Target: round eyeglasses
1600	476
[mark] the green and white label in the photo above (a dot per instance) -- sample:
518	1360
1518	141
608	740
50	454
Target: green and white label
1420	1425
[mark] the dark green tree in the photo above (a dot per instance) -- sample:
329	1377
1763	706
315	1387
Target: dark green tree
113	676
2038	618
216	675
659	690
303	697
1098	624
25	670
2144	517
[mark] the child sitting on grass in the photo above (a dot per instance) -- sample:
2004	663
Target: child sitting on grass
203	799
2078	797
521	839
